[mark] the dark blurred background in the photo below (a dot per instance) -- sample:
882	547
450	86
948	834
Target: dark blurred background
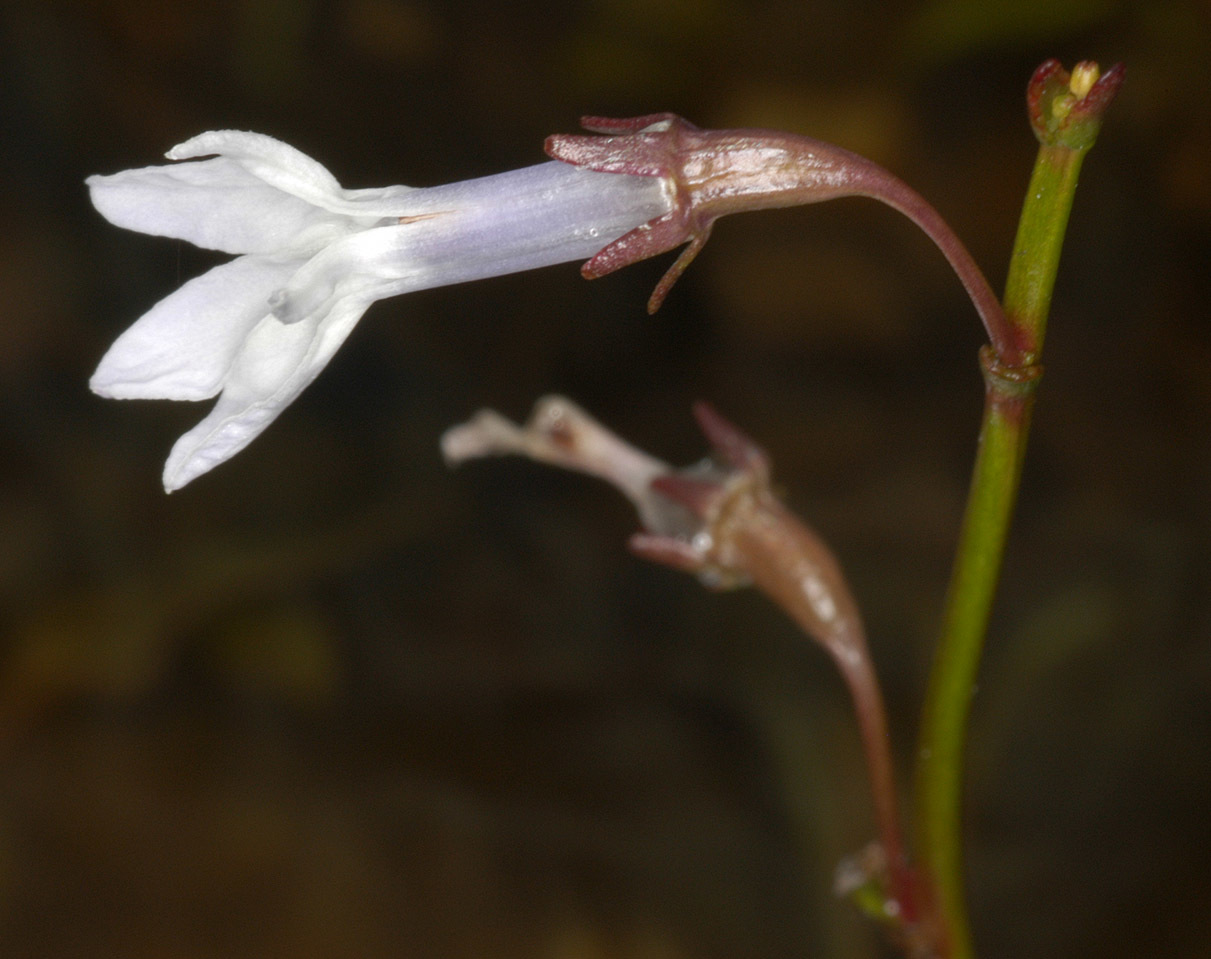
336	700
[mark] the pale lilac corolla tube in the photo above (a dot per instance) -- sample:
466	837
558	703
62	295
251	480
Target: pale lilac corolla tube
312	257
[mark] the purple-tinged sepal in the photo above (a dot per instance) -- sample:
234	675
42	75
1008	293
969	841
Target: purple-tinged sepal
641	146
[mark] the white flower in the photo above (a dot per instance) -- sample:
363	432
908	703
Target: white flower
312	258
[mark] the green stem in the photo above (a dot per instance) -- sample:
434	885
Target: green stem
1008	399
1009	393
1036	250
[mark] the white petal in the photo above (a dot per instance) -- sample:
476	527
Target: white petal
292	171
369	264
182	348
264	156
275	366
215	204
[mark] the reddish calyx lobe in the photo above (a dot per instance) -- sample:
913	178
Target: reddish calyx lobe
709	173
640	146
707	499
